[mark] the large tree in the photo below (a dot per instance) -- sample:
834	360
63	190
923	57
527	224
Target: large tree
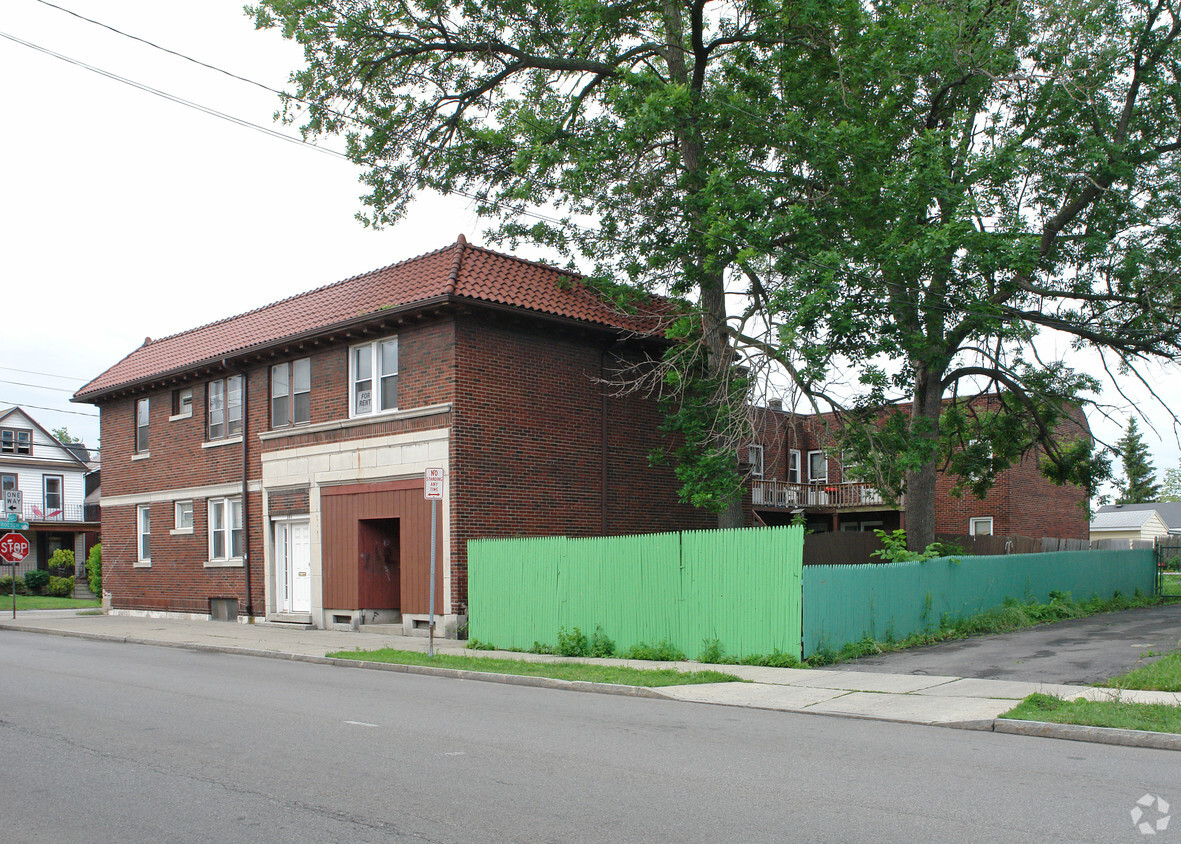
1139	485
906	190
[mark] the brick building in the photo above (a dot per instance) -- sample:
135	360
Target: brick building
271	464
796	468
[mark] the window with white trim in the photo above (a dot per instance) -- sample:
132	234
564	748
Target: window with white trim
817	467
224	402
143	534
754	456
373	377
16	441
981	526
182	403
225	529
184	516
52	496
793	466
291	393
142	418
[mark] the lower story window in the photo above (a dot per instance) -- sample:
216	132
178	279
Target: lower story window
225	529
143	533
980	526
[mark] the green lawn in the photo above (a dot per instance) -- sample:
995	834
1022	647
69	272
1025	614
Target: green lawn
591	673
1171	585
1156	717
1164	675
44	602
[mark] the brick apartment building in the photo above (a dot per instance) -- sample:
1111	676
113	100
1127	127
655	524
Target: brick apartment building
271	464
796	468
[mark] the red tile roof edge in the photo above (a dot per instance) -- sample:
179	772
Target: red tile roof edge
85	394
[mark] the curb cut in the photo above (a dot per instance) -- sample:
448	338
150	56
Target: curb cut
1097	735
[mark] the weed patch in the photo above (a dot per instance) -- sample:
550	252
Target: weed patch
1118	714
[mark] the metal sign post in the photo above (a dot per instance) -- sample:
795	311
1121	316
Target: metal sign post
433	491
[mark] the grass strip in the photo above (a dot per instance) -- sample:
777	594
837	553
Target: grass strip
1156	717
45	602
591	673
1164	675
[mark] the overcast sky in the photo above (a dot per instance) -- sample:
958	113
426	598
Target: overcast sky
126	215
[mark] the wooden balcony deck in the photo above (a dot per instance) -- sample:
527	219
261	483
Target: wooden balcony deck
786	496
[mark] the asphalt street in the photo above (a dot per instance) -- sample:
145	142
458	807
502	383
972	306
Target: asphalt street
1080	651
117	742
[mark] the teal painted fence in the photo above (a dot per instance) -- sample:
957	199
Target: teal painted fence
846	603
741	587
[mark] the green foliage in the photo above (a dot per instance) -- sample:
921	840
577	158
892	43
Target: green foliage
662	651
1170	488
94	569
477	645
62	562
1163	675
894	548
909	191
6	585
36	581
714	654
1115	713
1139	484
601	646
60	587
63	436
573	643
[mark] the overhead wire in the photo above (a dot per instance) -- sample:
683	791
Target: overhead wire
588	233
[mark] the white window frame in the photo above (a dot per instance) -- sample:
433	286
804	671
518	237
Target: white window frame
975	520
179	509
143	531
818	479
143	425
754	456
183	404
221	511
374	354
793	466
61	494
296	381
226	411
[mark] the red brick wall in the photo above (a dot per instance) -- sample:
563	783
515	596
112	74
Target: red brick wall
528	449
178	579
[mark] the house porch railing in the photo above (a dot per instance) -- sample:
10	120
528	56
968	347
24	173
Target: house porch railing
65	513
803	496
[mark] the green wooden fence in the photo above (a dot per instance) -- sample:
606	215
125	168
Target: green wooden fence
847	603
741	587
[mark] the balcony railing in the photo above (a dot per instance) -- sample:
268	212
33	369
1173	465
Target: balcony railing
65	513
805	496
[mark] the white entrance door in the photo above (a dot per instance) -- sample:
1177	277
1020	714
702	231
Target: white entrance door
293	559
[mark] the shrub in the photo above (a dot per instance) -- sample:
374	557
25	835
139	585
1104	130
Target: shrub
6	585
60	587
36	581
573	643
62	563
94	569
662	651
600	645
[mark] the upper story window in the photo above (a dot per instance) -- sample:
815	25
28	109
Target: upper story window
291	393
817	467
225	407
793	466
754	456
52	486
373	376
182	403
141	426
16	441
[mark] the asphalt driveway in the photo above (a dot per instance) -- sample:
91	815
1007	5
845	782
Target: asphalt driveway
1079	651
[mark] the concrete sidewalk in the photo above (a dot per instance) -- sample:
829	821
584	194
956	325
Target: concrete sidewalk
909	698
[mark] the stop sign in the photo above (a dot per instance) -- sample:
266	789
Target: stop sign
13	547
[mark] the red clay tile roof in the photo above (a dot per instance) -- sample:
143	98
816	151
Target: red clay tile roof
455	273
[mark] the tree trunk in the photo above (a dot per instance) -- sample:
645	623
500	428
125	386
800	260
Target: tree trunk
920	483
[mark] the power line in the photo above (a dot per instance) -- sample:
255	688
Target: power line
589	233
37	386
46	374
51	409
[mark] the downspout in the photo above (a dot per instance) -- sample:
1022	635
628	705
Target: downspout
245	498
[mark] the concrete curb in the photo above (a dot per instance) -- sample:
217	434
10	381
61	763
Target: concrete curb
1098	735
452	673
